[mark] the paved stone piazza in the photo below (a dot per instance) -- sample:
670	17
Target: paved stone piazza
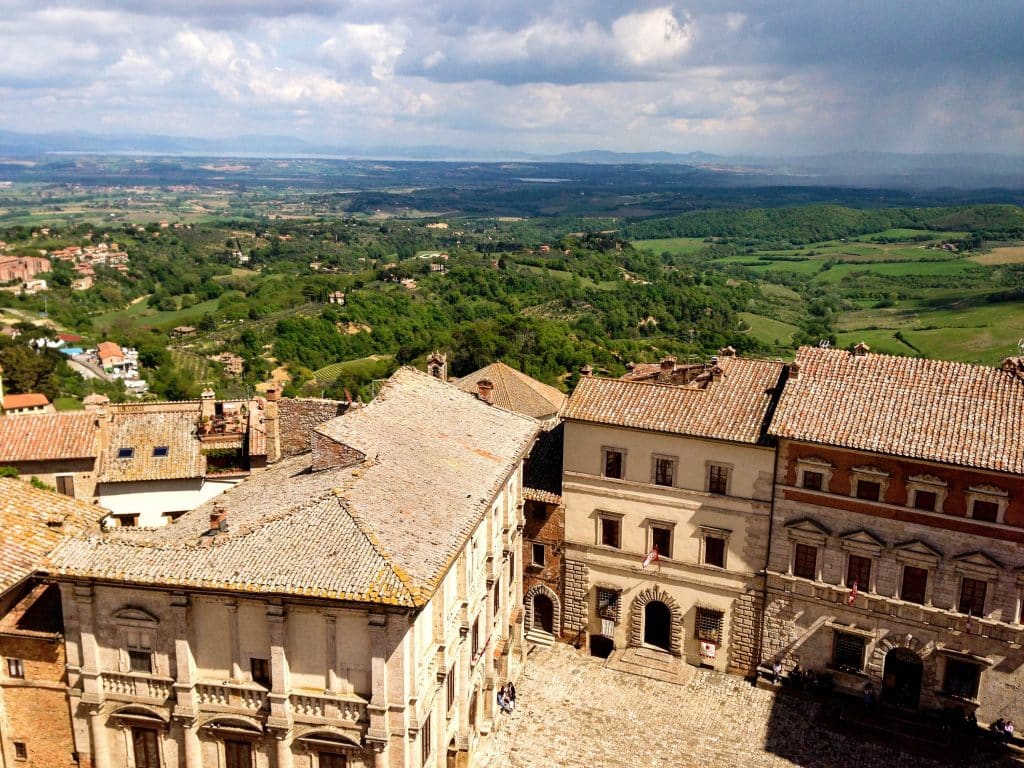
575	711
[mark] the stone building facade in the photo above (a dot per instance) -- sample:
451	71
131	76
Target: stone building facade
544	538
895	553
667	492
353	606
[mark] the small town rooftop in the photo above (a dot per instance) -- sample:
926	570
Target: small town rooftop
515	391
935	410
47	437
424	462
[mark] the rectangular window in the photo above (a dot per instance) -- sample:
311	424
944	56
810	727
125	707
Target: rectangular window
714	551
140	661
15	668
664	471
915	580
237	754
260	671
497	598
160	451
607	603
476	638
611	532
805	561
985	510
425	741
869	490
127	521
962	679
145	745
858	570
709	625
66	485
848	652
925	500
718	479
813	480
125	453
451	688
331	760
972	596
20	751
537	553
613	464
661	537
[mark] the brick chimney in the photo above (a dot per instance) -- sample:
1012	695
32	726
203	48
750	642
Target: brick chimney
485	391
727	352
716	372
861	349
437	365
218	519
794	370
668	366
273	393
209	403
587	370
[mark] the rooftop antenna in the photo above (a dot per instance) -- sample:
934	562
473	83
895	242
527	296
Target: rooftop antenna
824	344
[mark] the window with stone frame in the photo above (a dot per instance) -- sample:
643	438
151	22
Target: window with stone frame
237	753
614	461
450	682
848	651
858	570
972	596
988	511
259	670
608	603
718	479
709	624
714	550
331	760
962	679
610	531
15	668
812	481
868	490
20	750
537	554
664	471
426	742
925	500
914	586
805	561
661	538
987	503
66	485
139	645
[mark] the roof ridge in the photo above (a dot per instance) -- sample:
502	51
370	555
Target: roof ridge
364	528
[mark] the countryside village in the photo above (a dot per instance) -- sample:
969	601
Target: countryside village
310	583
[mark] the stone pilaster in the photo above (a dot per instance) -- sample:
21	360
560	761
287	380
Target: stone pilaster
745	633
575	610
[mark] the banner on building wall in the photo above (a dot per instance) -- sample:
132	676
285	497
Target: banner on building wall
608	628
707	650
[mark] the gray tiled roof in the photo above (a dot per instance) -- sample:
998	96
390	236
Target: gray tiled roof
383	531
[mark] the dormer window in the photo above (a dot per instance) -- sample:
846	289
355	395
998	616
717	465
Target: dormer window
160	451
125	453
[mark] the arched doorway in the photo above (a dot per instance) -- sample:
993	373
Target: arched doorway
543	613
658	625
901	678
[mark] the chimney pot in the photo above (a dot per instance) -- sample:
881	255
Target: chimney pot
794	370
485	390
587	370
218	518
861	349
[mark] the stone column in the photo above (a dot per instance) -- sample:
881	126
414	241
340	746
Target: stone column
99	737
284	749
236	642
193	746
377	710
280	683
333	681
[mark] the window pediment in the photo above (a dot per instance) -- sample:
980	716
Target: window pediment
814	462
917	550
977	562
807	529
927	480
862	540
867	469
987	489
136	616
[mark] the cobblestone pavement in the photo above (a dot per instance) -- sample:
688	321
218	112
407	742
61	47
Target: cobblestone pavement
573	711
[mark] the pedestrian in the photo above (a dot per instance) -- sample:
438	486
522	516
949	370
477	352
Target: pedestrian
503	700
776	671
869	696
511	694
1008	731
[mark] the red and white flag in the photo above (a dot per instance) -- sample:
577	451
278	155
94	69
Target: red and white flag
652	557
852	597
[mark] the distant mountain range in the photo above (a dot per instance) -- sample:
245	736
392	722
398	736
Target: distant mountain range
874	169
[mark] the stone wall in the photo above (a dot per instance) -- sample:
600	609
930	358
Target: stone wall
745	633
575	610
298	416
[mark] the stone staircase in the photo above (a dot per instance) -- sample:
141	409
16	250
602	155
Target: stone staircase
540	637
652	664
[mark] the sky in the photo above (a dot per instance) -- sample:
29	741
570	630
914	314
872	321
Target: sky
764	77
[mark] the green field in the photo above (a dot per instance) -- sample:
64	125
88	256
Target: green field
140	315
68	404
372	367
769	331
900	269
677	246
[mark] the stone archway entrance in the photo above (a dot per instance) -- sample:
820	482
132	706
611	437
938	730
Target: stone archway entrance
901	678
658	625
543	613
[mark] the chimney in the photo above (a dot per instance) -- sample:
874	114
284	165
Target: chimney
586	370
668	365
727	352
861	349
218	519
273	393
209	403
485	391
794	370
716	372
630	366
437	365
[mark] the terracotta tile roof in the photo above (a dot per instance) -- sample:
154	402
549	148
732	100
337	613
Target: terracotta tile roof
733	408
936	410
28	400
144	432
47	437
383	531
107	349
515	391
34	522
543	478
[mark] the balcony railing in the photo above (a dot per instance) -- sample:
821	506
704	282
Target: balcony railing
133	687
337	708
246	698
